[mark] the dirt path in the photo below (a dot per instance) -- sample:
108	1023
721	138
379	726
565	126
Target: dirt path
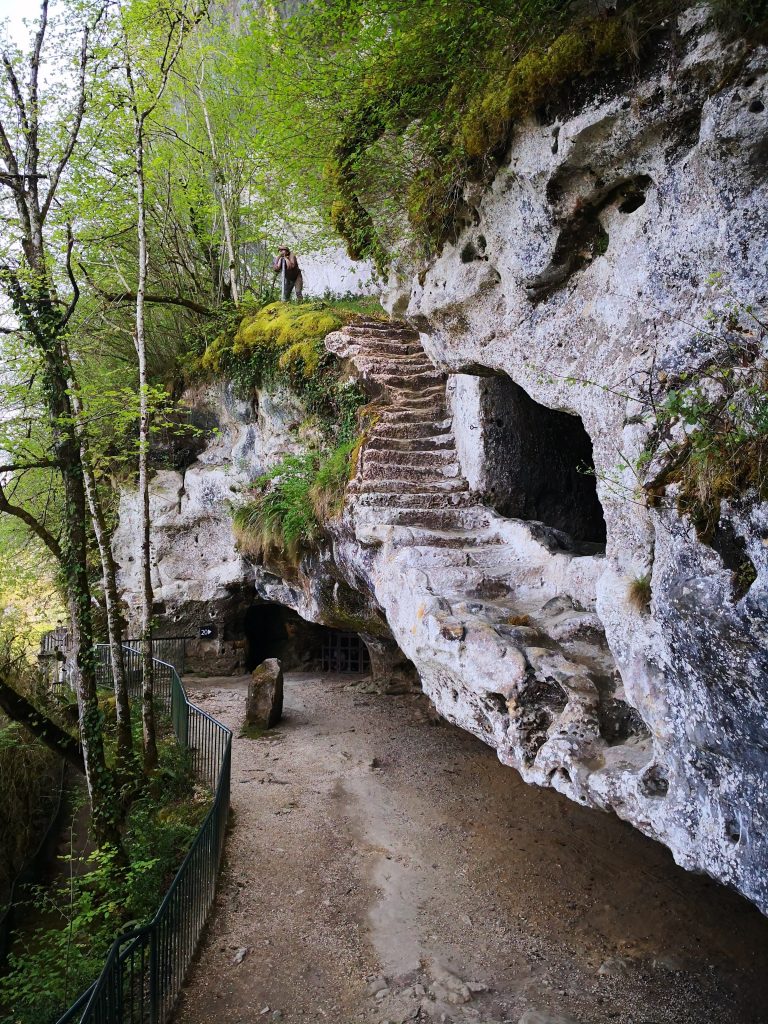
378	862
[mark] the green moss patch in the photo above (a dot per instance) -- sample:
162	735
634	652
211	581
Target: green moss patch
282	335
453	117
283	345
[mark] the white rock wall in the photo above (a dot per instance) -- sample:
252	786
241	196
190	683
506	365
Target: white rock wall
463	393
196	569
330	271
696	668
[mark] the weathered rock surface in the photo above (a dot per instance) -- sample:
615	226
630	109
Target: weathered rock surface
264	705
690	768
200	579
470	542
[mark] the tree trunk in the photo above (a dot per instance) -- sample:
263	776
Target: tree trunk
20	710
177	29
32	291
147	703
218	187
115	622
105	811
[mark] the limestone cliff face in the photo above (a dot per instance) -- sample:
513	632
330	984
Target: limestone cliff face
671	176
498	518
199	577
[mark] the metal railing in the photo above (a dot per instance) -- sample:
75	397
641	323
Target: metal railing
145	968
171	649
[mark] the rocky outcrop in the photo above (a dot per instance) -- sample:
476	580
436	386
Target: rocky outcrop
203	587
498	615
672	173
497	534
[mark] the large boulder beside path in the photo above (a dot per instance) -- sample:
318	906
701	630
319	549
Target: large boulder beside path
264	708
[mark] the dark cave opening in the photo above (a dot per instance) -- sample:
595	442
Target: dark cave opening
276	631
539	463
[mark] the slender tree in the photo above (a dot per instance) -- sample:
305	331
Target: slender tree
115	621
28	279
144	93
218	188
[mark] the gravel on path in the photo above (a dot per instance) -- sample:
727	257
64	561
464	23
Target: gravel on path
384	868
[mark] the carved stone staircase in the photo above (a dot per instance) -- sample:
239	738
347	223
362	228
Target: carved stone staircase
409	486
501	611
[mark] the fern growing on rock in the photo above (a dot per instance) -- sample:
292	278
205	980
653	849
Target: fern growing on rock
291	504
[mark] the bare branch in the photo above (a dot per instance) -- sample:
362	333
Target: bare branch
72	279
77	120
9	157
22	467
171	54
34	67
165	300
34	525
18	99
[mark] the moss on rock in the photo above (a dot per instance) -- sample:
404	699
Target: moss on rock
286	335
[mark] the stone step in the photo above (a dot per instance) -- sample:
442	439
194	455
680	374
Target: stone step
459	519
390	415
378	340
456	581
432	500
373	469
406	486
387	457
414	536
437	561
385	344
379	327
432	406
368	357
416	379
416	445
432	396
432	409
385	426
490	561
380	367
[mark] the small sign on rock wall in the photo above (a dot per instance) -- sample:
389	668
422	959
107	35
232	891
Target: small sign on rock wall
208	631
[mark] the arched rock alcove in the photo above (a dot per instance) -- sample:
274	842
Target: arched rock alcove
528	461
276	631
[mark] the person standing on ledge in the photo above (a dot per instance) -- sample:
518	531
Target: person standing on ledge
287	266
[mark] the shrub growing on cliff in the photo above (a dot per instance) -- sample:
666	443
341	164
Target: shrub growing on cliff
639	592
291	503
710	430
418	99
722	407
280	514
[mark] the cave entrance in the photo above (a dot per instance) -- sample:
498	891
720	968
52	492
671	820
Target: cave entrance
276	631
539	463
344	652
